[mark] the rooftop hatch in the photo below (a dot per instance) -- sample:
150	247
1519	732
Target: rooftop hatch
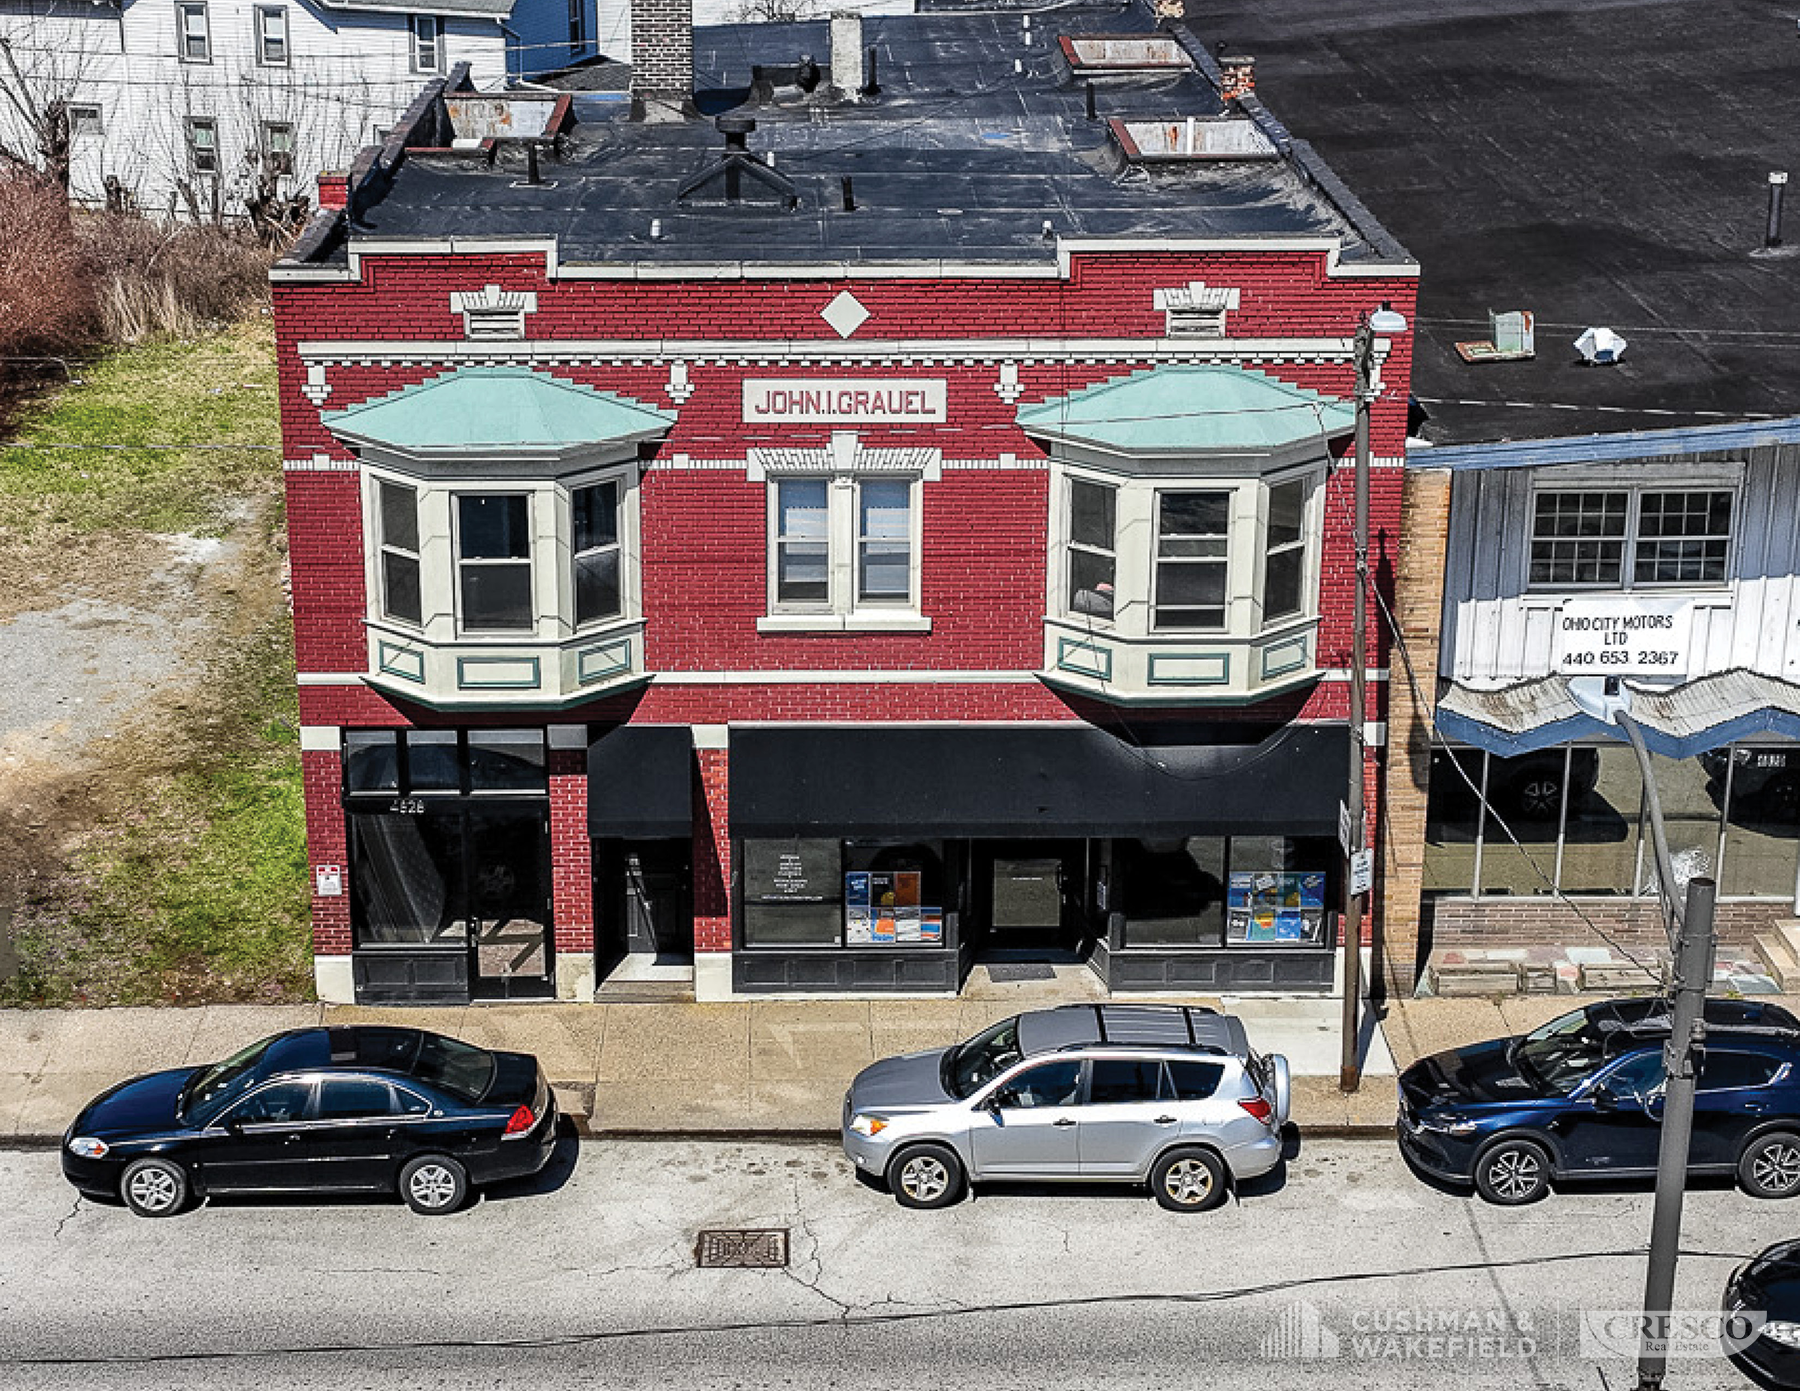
1089	54
1191	138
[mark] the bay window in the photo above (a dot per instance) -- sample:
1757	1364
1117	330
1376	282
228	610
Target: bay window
1192	533
493	562
1092	560
399	529
1284	552
595	546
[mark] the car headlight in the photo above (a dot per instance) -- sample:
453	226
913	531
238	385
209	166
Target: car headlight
1448	1125
1780	1331
87	1147
868	1125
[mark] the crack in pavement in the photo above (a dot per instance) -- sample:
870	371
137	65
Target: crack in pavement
70	1217
800	1222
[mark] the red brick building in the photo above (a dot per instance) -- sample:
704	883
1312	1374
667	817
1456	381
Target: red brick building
909	524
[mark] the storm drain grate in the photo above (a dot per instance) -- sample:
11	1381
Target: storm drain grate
745	1248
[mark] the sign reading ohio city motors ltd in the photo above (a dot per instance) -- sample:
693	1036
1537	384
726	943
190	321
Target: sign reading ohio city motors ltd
845	401
1624	637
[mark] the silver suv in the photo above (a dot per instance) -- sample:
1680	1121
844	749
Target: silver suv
1171	1096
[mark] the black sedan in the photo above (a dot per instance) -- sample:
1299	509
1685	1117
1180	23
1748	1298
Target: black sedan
1766	1294
374	1109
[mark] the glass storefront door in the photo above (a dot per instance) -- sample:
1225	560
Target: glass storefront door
1034	894
507	851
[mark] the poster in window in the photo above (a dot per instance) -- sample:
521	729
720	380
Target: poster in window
859	927
1271	907
931	926
908	926
884	934
906	888
856	888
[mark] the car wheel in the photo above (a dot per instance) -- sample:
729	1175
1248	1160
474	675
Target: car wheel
1188	1180
1539	797
1770	1167
926	1176
154	1187
433	1185
1512	1172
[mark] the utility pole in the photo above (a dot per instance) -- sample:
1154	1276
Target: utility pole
1693	973
1386	322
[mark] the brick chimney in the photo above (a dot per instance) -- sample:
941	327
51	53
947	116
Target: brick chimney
662	60
1237	77
334	188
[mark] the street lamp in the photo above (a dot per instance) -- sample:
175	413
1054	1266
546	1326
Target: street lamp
1384	323
1692	945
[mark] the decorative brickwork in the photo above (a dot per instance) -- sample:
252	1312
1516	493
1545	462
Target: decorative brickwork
712	853
322	775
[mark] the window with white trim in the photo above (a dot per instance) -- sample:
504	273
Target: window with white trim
595	553
278	147
193	35
1284	551
1093	563
843	545
1193	536
398	509
85	119
1619	538
427	43
493	563
271	36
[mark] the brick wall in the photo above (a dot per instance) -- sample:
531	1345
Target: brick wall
1418	609
571	852
712	853
322	775
1636	923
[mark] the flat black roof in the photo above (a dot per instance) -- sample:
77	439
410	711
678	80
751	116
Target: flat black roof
1597	162
976	140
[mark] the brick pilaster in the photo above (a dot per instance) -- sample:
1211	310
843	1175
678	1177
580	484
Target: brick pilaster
571	853
1419	610
712	854
327	843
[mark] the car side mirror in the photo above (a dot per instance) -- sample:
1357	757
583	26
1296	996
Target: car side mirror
1604	1099
233	1126
993	1101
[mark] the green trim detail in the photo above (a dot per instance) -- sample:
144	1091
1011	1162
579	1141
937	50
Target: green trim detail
1274	665
465	665
607	659
1099	665
1190	409
1218	675
405	662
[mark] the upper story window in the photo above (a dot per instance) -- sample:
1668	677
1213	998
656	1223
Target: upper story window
1230	556
399	524
193	35
85	118
493	562
843	546
427	43
577	23
1624	538
1092	561
1193	532
278	147
271	36
203	144
595	552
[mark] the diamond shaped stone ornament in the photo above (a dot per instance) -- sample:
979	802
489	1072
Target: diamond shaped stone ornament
845	314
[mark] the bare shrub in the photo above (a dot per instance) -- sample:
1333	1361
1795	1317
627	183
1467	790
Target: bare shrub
46	308
155	280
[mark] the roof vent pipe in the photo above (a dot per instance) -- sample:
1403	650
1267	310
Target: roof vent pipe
874	85
847	52
1777	185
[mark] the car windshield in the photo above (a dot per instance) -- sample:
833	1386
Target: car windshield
461	1069
972	1065
1558	1055
212	1090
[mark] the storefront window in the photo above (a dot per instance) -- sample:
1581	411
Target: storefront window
371	760
433	763
793	893
1690	821
1276	892
1525	797
1600	839
893	895
1762	830
1172	893
1453	821
829	893
507	760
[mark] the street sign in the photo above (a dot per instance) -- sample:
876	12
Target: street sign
1362	872
1345	839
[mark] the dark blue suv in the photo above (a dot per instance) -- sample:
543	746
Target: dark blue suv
1582	1096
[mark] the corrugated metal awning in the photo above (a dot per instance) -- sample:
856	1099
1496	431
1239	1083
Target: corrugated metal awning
1678	722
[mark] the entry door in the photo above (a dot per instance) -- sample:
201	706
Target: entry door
1034	894
508	860
656	913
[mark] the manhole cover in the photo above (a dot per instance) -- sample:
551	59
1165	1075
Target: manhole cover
1022	970
751	1248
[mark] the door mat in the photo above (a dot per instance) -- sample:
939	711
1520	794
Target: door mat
1020	970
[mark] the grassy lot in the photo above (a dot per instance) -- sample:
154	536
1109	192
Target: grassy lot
175	864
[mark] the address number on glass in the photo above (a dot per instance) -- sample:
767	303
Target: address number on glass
407	806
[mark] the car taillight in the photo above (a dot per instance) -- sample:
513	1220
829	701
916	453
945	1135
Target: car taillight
1257	1107
521	1122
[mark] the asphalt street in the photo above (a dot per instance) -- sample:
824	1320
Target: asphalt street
1344	1266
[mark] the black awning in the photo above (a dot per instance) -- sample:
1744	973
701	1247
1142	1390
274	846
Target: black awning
641	782
1054	780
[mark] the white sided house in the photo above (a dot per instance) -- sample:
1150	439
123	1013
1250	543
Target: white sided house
180	106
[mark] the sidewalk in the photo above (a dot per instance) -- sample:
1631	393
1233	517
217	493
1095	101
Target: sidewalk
773	1068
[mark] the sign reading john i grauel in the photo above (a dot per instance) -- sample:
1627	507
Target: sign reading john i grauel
1619	636
846	400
